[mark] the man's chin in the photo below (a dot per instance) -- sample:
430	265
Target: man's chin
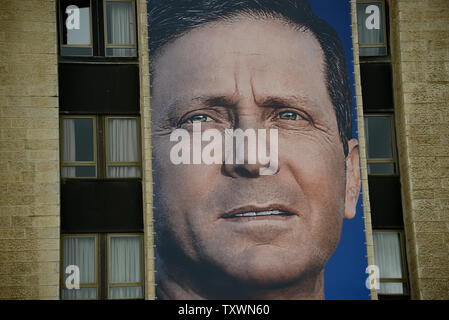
270	266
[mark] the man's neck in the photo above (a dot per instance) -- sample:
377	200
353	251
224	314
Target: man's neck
180	286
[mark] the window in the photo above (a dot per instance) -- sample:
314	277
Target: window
119	24
115	139
125	267
380	144
80	251
371	28
76	29
102	28
110	266
78	147
389	257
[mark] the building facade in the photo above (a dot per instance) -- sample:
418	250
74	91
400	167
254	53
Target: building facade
57	88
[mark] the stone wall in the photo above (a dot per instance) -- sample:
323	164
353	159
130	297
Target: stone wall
420	59
29	150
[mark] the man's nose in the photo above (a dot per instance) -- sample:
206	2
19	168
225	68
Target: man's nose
248	159
242	170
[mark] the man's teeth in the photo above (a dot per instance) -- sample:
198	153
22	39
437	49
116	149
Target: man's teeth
261	213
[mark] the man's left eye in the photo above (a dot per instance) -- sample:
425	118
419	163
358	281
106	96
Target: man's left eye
199	118
288	115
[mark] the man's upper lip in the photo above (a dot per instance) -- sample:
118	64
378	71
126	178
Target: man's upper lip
251	208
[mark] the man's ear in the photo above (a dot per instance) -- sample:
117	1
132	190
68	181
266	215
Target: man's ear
352	178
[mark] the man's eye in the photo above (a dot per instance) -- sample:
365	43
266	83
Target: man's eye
289	115
199	118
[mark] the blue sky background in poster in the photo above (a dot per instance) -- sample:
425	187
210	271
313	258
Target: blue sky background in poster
345	271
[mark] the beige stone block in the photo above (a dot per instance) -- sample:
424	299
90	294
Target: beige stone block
21	188
12	155
34	244
5	222
11	177
426	215
5	123
19	292
45	221
42	233
21	221
19	166
43	155
430	260
423	194
7	211
47	166
49	291
9	145
42	134
46	102
45	210
42	144
434	289
426	205
13	134
430	226
12	234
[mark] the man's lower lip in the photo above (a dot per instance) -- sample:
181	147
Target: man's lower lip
258	218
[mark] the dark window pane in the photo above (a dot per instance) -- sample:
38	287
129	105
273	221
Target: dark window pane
78	172
370	51
379	140
377	88
73	51
381	168
78	139
76	22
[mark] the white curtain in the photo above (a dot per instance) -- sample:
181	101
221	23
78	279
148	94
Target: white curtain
80	251
125	266
121	27
69	147
123	147
387	256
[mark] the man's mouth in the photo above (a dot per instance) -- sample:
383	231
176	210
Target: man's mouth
258	213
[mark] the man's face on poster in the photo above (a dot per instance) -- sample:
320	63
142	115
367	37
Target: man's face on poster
258	74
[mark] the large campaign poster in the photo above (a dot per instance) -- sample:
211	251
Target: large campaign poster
255	153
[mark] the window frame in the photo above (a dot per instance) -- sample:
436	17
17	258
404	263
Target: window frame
107	162
384	31
109	283
96	257
394	159
101	148
61	28
64	163
404	280
105	32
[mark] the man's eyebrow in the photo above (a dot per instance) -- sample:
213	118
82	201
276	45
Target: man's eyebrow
210	101
292	100
215	101
226	101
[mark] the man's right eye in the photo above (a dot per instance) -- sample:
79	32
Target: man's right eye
199	118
